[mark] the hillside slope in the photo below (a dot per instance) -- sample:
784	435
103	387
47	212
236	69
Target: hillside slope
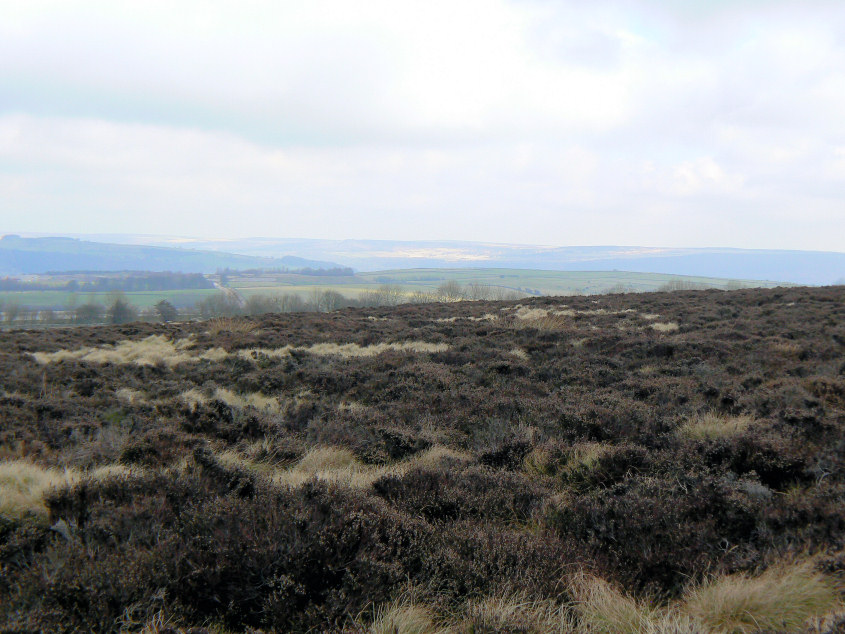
671	461
20	256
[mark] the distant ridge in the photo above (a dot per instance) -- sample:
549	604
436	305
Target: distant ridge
21	256
799	267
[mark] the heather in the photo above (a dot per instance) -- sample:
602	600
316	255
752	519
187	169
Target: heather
631	462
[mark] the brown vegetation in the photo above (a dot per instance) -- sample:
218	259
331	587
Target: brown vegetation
628	463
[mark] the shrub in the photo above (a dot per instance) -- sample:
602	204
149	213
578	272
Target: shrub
121	312
166	311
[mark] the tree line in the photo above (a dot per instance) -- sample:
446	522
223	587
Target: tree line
165	281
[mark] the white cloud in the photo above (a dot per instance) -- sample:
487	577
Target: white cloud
626	122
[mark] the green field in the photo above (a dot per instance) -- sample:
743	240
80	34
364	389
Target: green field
66	300
521	281
525	281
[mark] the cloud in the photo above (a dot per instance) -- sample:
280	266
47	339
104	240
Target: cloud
629	121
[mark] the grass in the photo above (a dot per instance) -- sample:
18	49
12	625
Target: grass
781	599
712	425
23	485
338	465
242	401
582	457
230	324
604	609
152	350
128	396
517	613
345	350
404	617
785	598
669	326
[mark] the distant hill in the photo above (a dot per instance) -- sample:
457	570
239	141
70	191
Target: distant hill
21	256
800	267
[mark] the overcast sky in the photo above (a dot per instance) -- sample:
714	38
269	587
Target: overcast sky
676	123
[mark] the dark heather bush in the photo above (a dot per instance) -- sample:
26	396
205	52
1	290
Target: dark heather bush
570	443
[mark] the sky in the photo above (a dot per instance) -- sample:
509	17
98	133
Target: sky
632	122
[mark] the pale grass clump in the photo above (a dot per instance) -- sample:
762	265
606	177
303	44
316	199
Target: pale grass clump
520	354
193	398
405	617
546	323
669	326
128	396
484	317
338	465
518	613
781	599
255	400
231	324
712	425
345	350
152	350
352	407
650	316
586	455
604	609
538	462
214	354
272	353
232	458
354	350
541	461
785	347
23	485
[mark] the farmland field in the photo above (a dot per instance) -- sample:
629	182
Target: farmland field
660	462
521	282
62	300
524	281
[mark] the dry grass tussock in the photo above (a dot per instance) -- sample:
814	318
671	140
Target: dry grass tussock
128	396
157	349
788	597
23	485
256	400
669	326
712	425
152	350
602	608
550	319
339	465
542	319
520	354
582	457
781	599
230	324
405	617
196	397
785	348
346	350
785	598
517	613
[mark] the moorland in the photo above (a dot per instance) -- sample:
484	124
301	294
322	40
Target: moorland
651	462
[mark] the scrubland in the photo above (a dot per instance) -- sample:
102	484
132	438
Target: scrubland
669	462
